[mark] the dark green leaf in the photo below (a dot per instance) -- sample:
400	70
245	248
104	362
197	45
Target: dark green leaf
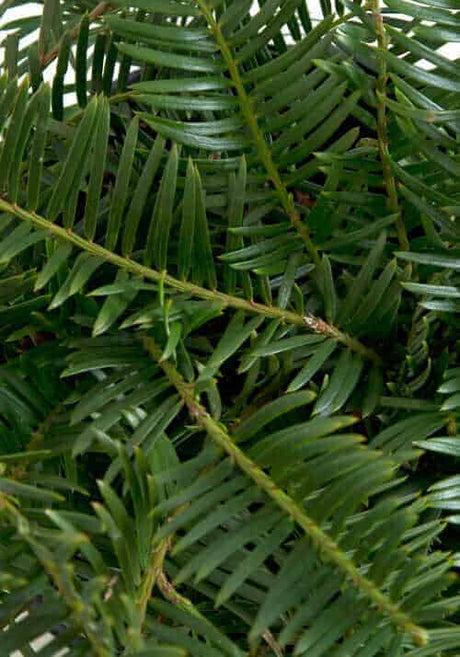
120	193
80	61
160	225
97	168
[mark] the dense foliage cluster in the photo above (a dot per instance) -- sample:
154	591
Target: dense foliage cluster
229	295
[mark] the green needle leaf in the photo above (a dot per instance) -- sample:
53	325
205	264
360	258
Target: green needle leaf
121	190
97	168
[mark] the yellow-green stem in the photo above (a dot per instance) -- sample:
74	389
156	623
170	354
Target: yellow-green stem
250	116
78	610
382	130
153	573
327	548
173	596
309	322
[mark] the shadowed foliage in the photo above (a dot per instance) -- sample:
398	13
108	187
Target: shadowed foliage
229	295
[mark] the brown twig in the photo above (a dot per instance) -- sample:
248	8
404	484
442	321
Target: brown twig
97	12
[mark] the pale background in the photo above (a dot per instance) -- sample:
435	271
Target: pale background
451	50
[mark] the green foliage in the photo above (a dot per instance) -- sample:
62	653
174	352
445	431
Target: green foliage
229	295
